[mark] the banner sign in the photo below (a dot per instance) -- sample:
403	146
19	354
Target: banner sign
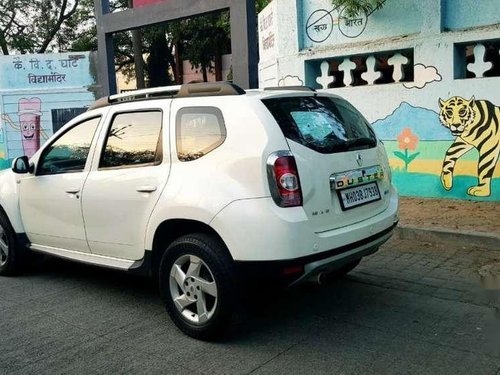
41	71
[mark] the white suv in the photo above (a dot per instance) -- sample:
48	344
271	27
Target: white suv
204	186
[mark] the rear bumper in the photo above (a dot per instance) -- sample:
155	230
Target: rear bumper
257	230
312	265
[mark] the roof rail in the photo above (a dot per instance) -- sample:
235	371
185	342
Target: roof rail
180	91
294	88
145	93
210	89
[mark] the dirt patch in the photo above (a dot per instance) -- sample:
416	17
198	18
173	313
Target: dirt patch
450	214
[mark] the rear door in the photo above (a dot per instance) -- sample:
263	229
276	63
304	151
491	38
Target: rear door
342	168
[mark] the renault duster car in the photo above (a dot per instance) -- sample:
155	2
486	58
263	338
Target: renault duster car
204	187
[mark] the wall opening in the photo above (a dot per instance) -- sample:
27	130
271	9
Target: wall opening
477	59
360	70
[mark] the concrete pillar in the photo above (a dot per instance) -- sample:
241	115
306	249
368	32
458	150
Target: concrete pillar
279	42
244	43
106	66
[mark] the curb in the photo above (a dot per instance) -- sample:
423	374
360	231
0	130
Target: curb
490	241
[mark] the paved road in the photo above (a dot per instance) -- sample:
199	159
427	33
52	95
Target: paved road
411	308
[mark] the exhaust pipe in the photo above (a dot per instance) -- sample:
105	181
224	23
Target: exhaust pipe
321	278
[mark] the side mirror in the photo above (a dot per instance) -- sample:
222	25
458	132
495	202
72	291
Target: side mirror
21	165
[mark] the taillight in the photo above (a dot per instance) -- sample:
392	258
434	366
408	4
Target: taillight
284	181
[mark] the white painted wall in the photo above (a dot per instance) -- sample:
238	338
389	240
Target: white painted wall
435	30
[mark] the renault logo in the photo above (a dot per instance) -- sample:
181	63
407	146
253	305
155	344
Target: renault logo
359	159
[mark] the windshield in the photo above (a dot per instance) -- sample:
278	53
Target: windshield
324	124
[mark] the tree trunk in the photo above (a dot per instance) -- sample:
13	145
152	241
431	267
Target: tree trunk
138	60
204	72
3	43
157	63
218	66
179	68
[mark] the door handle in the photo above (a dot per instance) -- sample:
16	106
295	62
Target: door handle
73	190
146	189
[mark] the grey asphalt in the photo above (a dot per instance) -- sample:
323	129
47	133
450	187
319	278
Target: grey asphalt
414	308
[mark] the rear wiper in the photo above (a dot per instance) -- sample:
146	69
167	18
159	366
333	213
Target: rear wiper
338	145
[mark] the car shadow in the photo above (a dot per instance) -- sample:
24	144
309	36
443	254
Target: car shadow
268	311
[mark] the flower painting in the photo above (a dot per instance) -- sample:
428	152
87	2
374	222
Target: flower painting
407	140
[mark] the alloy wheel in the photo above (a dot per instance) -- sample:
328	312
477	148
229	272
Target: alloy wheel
193	289
4	246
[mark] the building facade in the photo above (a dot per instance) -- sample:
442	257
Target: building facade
38	95
425	73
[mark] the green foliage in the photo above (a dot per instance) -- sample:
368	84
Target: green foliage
159	60
355	7
79	33
31	26
261	4
37	26
202	38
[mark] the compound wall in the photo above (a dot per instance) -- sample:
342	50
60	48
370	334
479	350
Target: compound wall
39	94
415	69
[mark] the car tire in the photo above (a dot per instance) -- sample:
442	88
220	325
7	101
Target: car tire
10	253
197	286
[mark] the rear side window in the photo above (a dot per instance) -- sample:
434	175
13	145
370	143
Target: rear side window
199	130
134	139
323	124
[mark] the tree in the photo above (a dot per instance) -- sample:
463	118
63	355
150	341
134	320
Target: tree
10	28
159	56
79	33
37	26
355	7
203	39
31	26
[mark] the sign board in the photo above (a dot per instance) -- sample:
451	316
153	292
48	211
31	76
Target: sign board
267	33
42	71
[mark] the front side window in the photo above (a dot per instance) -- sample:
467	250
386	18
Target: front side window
133	140
200	130
323	124
69	152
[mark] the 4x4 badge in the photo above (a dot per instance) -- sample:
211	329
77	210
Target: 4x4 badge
359	159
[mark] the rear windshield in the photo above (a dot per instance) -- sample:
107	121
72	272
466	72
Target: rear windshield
324	124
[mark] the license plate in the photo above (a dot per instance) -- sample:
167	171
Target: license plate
359	195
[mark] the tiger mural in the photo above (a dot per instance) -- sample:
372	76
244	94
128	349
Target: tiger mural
475	123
